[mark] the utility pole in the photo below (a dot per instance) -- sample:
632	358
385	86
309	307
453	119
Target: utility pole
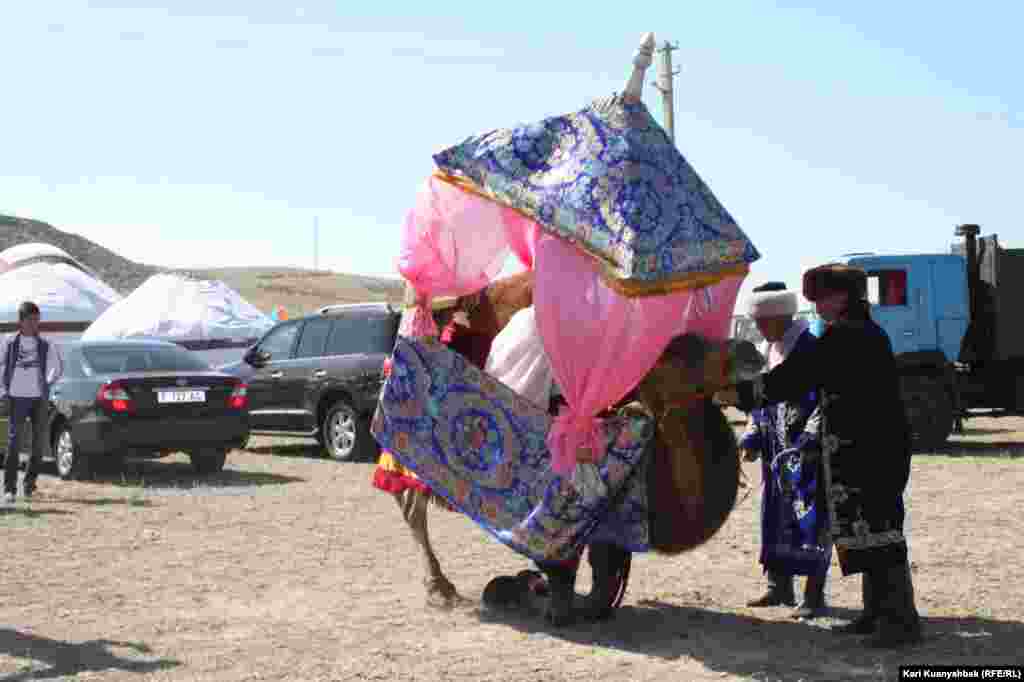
316	243
664	86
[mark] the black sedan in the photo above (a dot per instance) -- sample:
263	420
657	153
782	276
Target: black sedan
142	399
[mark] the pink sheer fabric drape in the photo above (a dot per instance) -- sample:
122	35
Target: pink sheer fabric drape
455	243
522	235
601	344
709	312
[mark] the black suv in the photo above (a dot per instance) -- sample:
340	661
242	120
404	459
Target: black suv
319	376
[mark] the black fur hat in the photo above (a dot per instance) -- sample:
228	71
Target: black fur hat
835	277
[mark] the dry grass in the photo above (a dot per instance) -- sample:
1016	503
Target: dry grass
303	291
288	566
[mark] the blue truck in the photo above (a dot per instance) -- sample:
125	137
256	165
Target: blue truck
955	328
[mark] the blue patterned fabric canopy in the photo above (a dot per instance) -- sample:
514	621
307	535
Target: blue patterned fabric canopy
609	179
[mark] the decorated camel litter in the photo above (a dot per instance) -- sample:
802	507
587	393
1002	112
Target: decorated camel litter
632	271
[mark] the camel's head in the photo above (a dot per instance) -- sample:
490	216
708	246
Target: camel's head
692	368
490	309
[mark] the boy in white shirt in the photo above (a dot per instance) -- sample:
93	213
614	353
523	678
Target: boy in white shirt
30	366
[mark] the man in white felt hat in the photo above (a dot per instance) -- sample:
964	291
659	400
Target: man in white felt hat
794	537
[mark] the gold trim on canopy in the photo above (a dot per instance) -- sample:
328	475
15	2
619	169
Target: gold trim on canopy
631	288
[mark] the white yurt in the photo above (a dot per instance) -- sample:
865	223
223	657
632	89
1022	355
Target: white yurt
69	295
204	316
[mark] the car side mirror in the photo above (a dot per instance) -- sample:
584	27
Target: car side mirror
256	357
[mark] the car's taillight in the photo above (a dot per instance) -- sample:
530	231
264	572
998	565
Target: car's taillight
387	367
239	397
115	398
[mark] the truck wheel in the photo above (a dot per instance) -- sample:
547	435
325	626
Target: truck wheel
345	435
929	411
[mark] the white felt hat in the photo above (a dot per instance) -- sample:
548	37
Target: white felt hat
773	304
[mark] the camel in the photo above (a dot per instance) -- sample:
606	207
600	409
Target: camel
693	469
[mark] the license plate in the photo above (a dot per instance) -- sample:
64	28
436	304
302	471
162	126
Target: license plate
181	396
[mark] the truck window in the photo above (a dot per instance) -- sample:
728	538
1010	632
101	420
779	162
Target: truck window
887	287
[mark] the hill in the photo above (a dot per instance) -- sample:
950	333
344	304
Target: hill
303	291
299	291
118	272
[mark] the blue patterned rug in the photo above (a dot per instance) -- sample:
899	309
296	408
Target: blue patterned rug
482	447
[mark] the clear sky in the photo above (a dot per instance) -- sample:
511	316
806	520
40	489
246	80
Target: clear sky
212	132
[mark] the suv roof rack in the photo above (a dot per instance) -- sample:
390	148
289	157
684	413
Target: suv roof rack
357	307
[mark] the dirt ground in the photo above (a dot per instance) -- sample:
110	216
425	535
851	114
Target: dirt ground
287	566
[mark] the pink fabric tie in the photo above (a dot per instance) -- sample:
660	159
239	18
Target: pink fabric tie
422	324
571	432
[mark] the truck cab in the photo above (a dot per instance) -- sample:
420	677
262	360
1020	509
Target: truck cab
921	301
952	323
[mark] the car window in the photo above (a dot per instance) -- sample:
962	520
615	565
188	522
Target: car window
314	336
362	335
115	360
278	343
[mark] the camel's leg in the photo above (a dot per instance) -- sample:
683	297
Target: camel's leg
440	591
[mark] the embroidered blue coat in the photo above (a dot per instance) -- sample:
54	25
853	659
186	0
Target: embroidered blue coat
785	436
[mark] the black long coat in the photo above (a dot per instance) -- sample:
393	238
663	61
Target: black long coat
864	433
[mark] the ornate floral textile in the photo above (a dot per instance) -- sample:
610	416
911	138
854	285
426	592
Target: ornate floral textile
608	179
476	443
389	475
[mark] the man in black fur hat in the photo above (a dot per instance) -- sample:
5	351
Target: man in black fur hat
865	446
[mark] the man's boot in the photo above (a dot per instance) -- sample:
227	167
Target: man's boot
562	590
865	622
609	565
779	593
813	605
898	621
